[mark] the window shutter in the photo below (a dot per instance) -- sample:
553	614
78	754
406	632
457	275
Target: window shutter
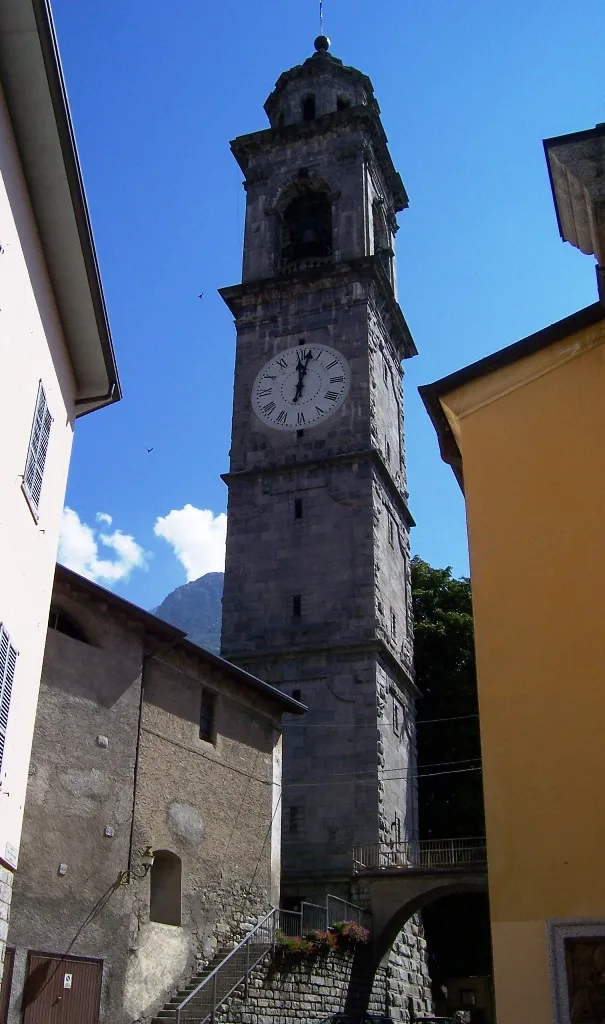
38	448
8	664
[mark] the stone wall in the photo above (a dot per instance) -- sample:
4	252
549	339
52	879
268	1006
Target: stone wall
339	982
6	887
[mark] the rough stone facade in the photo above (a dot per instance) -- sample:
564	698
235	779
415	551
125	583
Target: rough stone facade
118	764
6	888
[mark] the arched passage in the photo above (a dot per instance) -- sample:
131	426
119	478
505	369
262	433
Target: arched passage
165	888
409	896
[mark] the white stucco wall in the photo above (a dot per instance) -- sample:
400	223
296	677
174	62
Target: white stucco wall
32	349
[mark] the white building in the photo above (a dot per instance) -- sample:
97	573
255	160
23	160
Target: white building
56	363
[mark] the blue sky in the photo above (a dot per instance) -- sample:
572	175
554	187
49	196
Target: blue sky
157	90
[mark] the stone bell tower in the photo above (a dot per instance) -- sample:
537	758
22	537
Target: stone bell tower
317	581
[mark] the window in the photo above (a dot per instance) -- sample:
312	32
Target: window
207	715
307	227
308	108
300	433
388	451
468	997
296	606
396	829
64	623
298	508
393	625
165	888
8	664
342	103
396	716
385	371
296	820
36	453
391	529
297	695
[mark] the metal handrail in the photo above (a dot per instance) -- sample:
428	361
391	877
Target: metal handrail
213	976
417	853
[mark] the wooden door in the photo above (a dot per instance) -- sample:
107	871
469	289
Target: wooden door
61	990
5	987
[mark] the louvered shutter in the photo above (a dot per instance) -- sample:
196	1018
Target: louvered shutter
8	664
38	448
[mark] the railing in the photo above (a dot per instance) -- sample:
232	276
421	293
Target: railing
201	1004
420	854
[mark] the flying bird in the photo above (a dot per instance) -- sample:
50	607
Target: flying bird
149	450
201	295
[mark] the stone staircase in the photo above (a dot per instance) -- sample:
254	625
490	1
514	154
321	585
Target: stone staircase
169	1010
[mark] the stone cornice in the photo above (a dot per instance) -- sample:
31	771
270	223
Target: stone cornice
376	646
240	297
364	455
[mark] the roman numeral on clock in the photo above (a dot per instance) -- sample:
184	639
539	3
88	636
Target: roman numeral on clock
268	408
330	365
283	416
300	418
336	380
331	395
282	363
320	411
263	394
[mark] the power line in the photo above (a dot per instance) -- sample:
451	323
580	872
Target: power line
423	775
364	725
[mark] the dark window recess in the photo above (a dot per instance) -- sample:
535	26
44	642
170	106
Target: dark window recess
396	716
165	888
207	710
388	451
64	623
385	372
307	228
298	508
281	120
300	433
297	695
342	103
393	625
296	820
291	903
296	606
308	108
391	532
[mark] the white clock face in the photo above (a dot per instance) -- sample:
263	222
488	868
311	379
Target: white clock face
301	387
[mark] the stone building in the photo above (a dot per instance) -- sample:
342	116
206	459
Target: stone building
317	590
317	580
57	364
142	739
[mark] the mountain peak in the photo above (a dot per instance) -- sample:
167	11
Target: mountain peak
196	608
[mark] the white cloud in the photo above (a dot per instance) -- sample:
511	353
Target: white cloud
79	549
197	537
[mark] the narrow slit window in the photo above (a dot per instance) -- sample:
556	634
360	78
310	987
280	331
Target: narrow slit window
207	716
393	625
396	716
385	372
298	508
388	451
296	606
8	665
342	103
391	532
297	695
296	820
300	433
37	450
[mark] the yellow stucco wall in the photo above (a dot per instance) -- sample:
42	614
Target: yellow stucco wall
532	438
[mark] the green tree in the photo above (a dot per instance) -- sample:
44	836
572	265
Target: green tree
450	791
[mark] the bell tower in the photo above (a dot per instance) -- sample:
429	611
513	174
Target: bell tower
317	580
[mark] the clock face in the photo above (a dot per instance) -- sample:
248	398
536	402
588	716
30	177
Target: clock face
301	387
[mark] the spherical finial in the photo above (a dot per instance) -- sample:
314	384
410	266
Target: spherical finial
322	44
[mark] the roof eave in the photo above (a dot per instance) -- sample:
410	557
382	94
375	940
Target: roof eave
33	85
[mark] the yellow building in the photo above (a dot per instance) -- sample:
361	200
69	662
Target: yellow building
524	431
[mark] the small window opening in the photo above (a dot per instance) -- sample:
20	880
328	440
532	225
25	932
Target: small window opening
64	623
385	372
300	433
396	716
388	447
207	715
308	108
297	695
281	120
396	829
298	508
296	606
391	532
393	625
296	820
342	103
165	888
